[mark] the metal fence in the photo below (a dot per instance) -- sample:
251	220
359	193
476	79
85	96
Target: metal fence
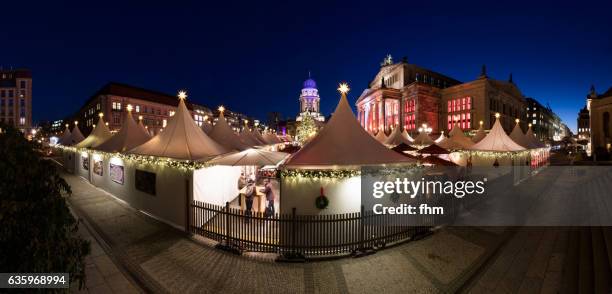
309	235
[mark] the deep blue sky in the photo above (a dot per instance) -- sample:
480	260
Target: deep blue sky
253	57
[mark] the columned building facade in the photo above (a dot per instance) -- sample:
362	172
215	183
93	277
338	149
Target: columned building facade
600	116
310	101
407	96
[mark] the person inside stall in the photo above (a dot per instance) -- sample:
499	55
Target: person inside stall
267	190
249	195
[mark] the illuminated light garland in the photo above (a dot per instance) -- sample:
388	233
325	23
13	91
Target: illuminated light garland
184	165
318	174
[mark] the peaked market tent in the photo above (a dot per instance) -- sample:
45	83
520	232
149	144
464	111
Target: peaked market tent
251	156
396	137
422	139
66	138
129	136
207	127
223	134
344	142
497	140
76	135
519	137
407	136
98	136
456	140
480	134
181	139
381	136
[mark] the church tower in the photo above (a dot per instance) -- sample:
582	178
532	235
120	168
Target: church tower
309	101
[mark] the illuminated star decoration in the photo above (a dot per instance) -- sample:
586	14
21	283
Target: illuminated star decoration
343	88
221	109
182	94
497	115
100	114
129	107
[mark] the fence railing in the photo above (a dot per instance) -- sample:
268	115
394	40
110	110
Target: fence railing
309	235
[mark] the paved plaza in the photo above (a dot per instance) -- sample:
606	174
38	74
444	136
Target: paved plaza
164	259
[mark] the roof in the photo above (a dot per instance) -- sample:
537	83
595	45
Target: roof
98	136
124	90
533	140
248	138
251	157
77	136
66	138
422	139
271	138
606	94
223	134
129	136
396	137
207	127
480	134
181	139
403	147
518	136
497	140
456	140
344	142
433	149
143	128
381	136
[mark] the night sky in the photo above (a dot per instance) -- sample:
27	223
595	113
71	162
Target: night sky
253	57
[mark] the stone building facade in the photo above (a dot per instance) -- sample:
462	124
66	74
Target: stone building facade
16	98
600	108
407	96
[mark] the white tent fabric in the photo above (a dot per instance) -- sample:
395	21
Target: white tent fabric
517	136
533	140
407	136
181	139
480	134
251	156
98	136
255	132
246	137
456	140
66	138
77	136
223	134
381	136
497	140
143	128
441	138
396	137
271	138
344	142
207	127
129	136
422	139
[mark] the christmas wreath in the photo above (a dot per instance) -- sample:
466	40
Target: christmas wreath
321	202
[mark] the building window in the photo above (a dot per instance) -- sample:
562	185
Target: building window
137	108
459	112
98	106
11	93
117	106
2	93
164	123
22	84
171	112
22	121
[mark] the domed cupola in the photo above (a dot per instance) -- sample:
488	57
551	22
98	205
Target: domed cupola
310	84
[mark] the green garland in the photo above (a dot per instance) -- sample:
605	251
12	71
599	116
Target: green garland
185	165
317	174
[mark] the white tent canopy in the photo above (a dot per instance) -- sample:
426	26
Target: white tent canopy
223	134
76	135
248	139
181	139
497	140
66	137
517	136
271	138
251	156
141	125
456	140
480	134
344	142
381	136
98	136
441	138
396	137
407	136
129	136
533	140
207	127
255	133
422	139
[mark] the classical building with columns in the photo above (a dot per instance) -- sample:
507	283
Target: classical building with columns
310	101
407	96
600	115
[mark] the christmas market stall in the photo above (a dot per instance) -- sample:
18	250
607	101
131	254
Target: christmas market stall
324	176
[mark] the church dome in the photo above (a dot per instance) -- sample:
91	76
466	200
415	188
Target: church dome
310	83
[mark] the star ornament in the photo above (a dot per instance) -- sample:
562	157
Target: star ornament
343	88
182	95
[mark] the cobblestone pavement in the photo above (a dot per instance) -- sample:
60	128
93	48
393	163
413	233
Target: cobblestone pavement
163	259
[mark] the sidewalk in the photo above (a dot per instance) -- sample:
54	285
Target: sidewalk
103	275
163	259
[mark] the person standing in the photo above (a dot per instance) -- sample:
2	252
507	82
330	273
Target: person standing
267	190
249	195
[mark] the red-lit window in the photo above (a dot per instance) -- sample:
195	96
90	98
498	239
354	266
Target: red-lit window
449	106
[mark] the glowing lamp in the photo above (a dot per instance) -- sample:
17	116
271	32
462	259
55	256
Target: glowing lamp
140	117
100	114
221	109
94	126
481	123
182	95
530	125
106	123
76	122
343	88
206	117
129	108
517	120
67	125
